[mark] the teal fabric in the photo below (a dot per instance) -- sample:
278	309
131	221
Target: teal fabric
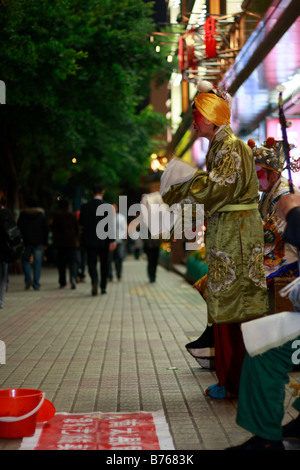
262	391
196	269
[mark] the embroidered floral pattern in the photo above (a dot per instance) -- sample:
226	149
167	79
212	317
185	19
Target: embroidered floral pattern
221	271
256	268
227	167
220	136
213	221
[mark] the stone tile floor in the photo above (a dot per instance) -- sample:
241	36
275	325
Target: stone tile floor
123	351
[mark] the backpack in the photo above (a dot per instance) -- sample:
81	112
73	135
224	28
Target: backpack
11	242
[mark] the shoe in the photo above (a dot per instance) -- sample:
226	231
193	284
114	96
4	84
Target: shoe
206	362
94	289
28	285
219	392
259	443
204	346
292	429
73	285
103	291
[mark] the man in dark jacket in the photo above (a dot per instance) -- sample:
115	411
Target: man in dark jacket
34	228
66	241
96	244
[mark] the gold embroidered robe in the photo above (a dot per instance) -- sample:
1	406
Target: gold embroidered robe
236	284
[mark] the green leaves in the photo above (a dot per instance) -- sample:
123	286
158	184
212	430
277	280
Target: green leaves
76	74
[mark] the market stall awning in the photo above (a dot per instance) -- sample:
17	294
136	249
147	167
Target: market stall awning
270	57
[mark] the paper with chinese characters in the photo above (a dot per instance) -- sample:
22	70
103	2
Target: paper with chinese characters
102	431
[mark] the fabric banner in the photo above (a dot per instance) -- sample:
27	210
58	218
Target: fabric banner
102	431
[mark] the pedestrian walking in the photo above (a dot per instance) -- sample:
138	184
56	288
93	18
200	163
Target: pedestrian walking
80	255
34	228
3	264
151	249
97	247
117	256
66	242
135	235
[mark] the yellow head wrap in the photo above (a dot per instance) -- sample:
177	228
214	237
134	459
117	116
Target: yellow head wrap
213	108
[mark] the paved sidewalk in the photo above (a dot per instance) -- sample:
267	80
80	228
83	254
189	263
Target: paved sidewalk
123	351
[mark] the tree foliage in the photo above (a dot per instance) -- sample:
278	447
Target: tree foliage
77	75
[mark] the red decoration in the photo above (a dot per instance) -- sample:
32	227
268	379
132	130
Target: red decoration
181	54
251	143
186	51
209	39
270	141
186	46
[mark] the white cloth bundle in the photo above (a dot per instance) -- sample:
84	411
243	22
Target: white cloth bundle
274	330
181	218
176	172
270	332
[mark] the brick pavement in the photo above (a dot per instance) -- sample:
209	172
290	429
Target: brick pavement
123	351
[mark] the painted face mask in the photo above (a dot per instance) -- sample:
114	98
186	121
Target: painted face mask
262	176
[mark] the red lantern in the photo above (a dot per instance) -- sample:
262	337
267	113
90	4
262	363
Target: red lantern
181	54
210	41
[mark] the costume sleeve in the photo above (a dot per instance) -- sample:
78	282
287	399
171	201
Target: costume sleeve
230	177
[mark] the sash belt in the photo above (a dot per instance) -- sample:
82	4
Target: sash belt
239	207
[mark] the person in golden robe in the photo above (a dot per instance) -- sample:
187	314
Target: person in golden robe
236	285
